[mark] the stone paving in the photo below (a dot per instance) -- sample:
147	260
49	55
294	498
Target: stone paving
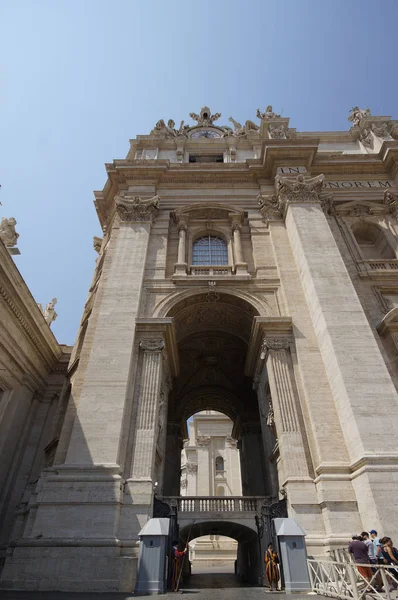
204	584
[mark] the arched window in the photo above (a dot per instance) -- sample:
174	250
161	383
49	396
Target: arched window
219	464
209	250
372	241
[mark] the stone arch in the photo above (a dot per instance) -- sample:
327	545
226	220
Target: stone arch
372	240
168	306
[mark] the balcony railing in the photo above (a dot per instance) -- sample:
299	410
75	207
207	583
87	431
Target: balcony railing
378	267
209	504
210	271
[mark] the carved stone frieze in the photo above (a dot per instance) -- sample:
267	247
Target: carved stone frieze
184	484
191	468
278	132
391	200
231	442
327	204
203	440
380	129
269	207
273	344
133	208
156	345
366	138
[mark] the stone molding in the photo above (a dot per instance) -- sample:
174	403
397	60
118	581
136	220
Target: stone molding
152	345
231	441
134	209
203	440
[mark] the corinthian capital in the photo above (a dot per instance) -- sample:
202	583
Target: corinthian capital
133	208
299	190
273	344
152	345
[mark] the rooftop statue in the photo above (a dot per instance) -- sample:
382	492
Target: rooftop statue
268	114
49	312
242	130
8	235
205	117
357	115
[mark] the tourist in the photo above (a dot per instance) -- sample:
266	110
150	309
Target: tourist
376	545
271	560
369	544
360	552
390	556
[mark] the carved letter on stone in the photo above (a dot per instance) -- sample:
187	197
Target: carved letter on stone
152	345
133	208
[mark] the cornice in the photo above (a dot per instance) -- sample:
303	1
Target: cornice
24	311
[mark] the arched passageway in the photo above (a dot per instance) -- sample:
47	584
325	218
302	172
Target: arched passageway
248	564
213	331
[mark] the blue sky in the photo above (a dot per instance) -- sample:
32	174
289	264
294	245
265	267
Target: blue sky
79	78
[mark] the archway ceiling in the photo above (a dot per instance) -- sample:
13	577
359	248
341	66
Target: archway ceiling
236	531
213	312
212	376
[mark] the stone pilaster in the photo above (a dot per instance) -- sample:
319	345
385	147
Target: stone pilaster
146	424
236	227
285	404
181	265
355	368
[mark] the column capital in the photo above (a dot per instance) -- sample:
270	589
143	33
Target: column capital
155	345
134	209
182	225
298	190
273	344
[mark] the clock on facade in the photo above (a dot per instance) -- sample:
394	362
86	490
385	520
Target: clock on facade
206	133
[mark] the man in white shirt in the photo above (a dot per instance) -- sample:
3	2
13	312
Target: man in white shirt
370	546
376	544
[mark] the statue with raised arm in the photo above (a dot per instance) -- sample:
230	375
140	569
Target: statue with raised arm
8	235
268	114
49	312
357	115
242	130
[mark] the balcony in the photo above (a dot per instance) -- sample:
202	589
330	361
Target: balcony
210	271
379	268
216	504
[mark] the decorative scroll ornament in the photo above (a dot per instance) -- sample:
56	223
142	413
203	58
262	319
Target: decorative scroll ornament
133	208
191	468
367	138
391	199
152	345
327	204
203	440
273	344
8	235
278	132
380	129
184	484
205	117
357	115
269	207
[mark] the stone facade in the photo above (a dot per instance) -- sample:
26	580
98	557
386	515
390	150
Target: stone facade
251	271
33	397
210	466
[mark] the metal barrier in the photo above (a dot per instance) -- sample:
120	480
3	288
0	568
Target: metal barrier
343	580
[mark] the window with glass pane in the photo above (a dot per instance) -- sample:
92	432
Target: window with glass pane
209	250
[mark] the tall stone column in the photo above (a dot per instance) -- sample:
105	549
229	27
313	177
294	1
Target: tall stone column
362	389
79	502
285	402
